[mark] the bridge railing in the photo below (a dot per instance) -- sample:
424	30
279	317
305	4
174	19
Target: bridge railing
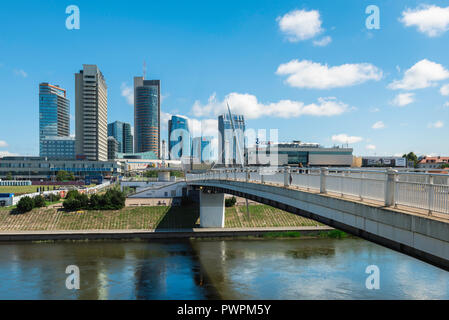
424	191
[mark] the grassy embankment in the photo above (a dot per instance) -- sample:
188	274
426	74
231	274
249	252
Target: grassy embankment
144	218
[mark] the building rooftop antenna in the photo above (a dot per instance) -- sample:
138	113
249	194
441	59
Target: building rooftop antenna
144	69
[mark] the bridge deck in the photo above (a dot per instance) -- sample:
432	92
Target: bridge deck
375	203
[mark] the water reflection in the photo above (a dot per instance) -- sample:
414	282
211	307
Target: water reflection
212	269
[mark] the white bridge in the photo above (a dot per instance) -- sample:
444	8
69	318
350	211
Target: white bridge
405	211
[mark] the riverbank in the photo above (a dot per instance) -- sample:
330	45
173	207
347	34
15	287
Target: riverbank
159	222
145	218
197	233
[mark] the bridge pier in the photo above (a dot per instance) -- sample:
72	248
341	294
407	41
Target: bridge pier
212	210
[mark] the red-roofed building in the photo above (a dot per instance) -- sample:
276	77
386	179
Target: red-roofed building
433	162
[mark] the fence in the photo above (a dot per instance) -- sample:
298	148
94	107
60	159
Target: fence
425	191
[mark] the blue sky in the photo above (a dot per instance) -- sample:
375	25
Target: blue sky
261	56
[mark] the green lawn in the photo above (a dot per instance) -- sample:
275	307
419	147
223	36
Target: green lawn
19	190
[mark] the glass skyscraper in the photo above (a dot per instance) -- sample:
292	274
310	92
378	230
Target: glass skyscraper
122	133
127	139
202	149
179	139
231	145
54	123
147	109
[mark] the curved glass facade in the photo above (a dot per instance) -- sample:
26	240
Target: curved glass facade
179	139
147	116
54	119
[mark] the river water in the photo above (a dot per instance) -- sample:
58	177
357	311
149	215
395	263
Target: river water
215	269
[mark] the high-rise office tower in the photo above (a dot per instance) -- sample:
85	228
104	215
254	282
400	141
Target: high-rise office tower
231	139
121	131
115	129
91	101
147	115
127	139
179	139
202	149
54	123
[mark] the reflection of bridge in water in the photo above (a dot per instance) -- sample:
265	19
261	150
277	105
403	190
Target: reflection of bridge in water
404	211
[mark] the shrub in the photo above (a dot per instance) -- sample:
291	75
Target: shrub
72	204
72	194
25	204
76	201
95	202
38	202
230	202
112	200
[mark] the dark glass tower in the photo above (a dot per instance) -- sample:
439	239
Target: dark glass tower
147	110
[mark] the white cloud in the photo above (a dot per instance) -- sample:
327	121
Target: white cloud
128	93
344	138
251	108
202	128
3	144
312	75
300	25
322	42
20	73
444	90
403	99
374	110
437	125
423	74
378	125
428	19
370	147
446	104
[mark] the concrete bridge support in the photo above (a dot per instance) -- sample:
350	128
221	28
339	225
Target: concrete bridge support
212	210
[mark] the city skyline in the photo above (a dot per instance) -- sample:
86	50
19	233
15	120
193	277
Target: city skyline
382	91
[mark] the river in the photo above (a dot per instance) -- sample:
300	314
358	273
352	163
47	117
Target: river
215	269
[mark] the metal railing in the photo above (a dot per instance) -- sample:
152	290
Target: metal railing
424	191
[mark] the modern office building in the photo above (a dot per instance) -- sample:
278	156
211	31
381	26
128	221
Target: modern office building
147	115
300	154
42	168
202	149
113	148
91	103
231	139
58	148
179	138
115	130
54	122
128	140
121	131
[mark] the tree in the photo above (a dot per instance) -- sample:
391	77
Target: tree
411	156
76	201
61	175
25	204
9	176
38	202
444	165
